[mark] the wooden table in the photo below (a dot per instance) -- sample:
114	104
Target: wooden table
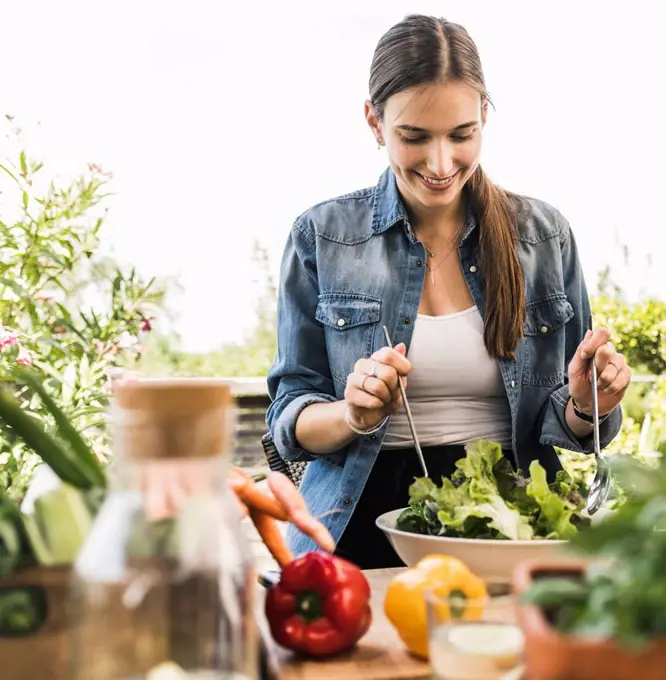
380	655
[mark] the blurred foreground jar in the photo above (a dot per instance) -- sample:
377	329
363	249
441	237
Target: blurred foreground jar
163	587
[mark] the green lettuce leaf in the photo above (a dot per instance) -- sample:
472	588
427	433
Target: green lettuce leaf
487	498
554	520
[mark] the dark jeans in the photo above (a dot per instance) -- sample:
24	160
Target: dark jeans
387	489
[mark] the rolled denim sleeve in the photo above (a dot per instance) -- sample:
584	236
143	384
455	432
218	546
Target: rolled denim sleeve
555	431
300	374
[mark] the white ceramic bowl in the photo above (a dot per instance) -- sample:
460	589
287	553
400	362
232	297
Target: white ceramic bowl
492	560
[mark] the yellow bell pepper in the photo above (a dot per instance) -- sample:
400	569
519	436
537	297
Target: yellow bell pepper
405	603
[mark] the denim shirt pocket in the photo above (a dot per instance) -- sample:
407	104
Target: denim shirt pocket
349	320
545	341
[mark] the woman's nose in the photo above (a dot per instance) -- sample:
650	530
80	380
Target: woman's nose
440	161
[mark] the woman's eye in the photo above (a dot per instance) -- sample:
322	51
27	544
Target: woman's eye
412	140
462	138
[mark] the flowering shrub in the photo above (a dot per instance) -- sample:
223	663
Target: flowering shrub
66	308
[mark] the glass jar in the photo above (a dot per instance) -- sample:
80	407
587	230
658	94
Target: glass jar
163	588
474	639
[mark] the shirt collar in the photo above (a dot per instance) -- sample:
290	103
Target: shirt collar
388	208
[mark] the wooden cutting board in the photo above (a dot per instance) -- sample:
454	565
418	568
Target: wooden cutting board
380	655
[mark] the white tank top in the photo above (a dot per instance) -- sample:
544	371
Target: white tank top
455	388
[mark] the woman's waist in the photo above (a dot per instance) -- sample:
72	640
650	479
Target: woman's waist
439	423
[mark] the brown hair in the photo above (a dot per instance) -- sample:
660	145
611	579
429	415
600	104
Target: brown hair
421	50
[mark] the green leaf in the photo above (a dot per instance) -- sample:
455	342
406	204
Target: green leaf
147	287
40	441
23	162
89	462
50	255
69	325
69	382
15	286
507	521
9	172
481	459
44	340
556	512
25	200
46	368
556	592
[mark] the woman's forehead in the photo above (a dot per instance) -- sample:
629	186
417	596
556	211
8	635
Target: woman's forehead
434	107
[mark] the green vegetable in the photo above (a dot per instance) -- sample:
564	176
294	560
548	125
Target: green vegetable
623	596
22	610
62	518
63	521
486	498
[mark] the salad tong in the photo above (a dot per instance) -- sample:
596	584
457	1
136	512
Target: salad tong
408	411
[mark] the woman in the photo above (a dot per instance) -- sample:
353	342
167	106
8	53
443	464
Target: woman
481	290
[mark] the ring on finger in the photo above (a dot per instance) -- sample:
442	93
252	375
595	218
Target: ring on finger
615	366
374	369
363	382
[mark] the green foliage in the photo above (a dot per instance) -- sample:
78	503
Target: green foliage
623	596
66	308
638	329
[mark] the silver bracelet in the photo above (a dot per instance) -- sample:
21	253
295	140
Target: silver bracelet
355	429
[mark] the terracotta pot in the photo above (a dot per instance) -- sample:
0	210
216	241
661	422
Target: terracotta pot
551	655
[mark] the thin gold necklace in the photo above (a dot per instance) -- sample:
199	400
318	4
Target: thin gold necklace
431	253
437	266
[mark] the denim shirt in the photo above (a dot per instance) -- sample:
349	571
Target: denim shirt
352	265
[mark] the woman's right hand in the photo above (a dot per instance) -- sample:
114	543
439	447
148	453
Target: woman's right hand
372	390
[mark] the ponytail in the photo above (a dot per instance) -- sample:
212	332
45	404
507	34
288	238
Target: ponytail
504	290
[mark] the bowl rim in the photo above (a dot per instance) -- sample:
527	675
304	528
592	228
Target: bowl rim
382	523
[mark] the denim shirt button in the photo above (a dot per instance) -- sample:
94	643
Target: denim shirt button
347	500
341	322
544	329
473	269
419	263
407	321
513	383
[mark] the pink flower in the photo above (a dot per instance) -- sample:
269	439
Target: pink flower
44	297
8	337
145	324
97	169
25	357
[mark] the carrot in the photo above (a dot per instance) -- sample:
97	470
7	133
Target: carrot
286	492
255	498
270	534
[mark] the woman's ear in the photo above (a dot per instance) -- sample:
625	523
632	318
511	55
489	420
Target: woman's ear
373	121
484	113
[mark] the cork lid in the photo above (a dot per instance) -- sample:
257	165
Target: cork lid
174	418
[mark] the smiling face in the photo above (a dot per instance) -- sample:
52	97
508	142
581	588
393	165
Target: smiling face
433	138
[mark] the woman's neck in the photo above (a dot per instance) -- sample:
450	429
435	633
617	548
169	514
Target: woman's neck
434	227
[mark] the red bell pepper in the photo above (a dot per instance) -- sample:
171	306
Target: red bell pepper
320	606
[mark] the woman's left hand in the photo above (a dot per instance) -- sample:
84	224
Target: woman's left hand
613	374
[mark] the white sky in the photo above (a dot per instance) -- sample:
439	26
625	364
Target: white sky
221	126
